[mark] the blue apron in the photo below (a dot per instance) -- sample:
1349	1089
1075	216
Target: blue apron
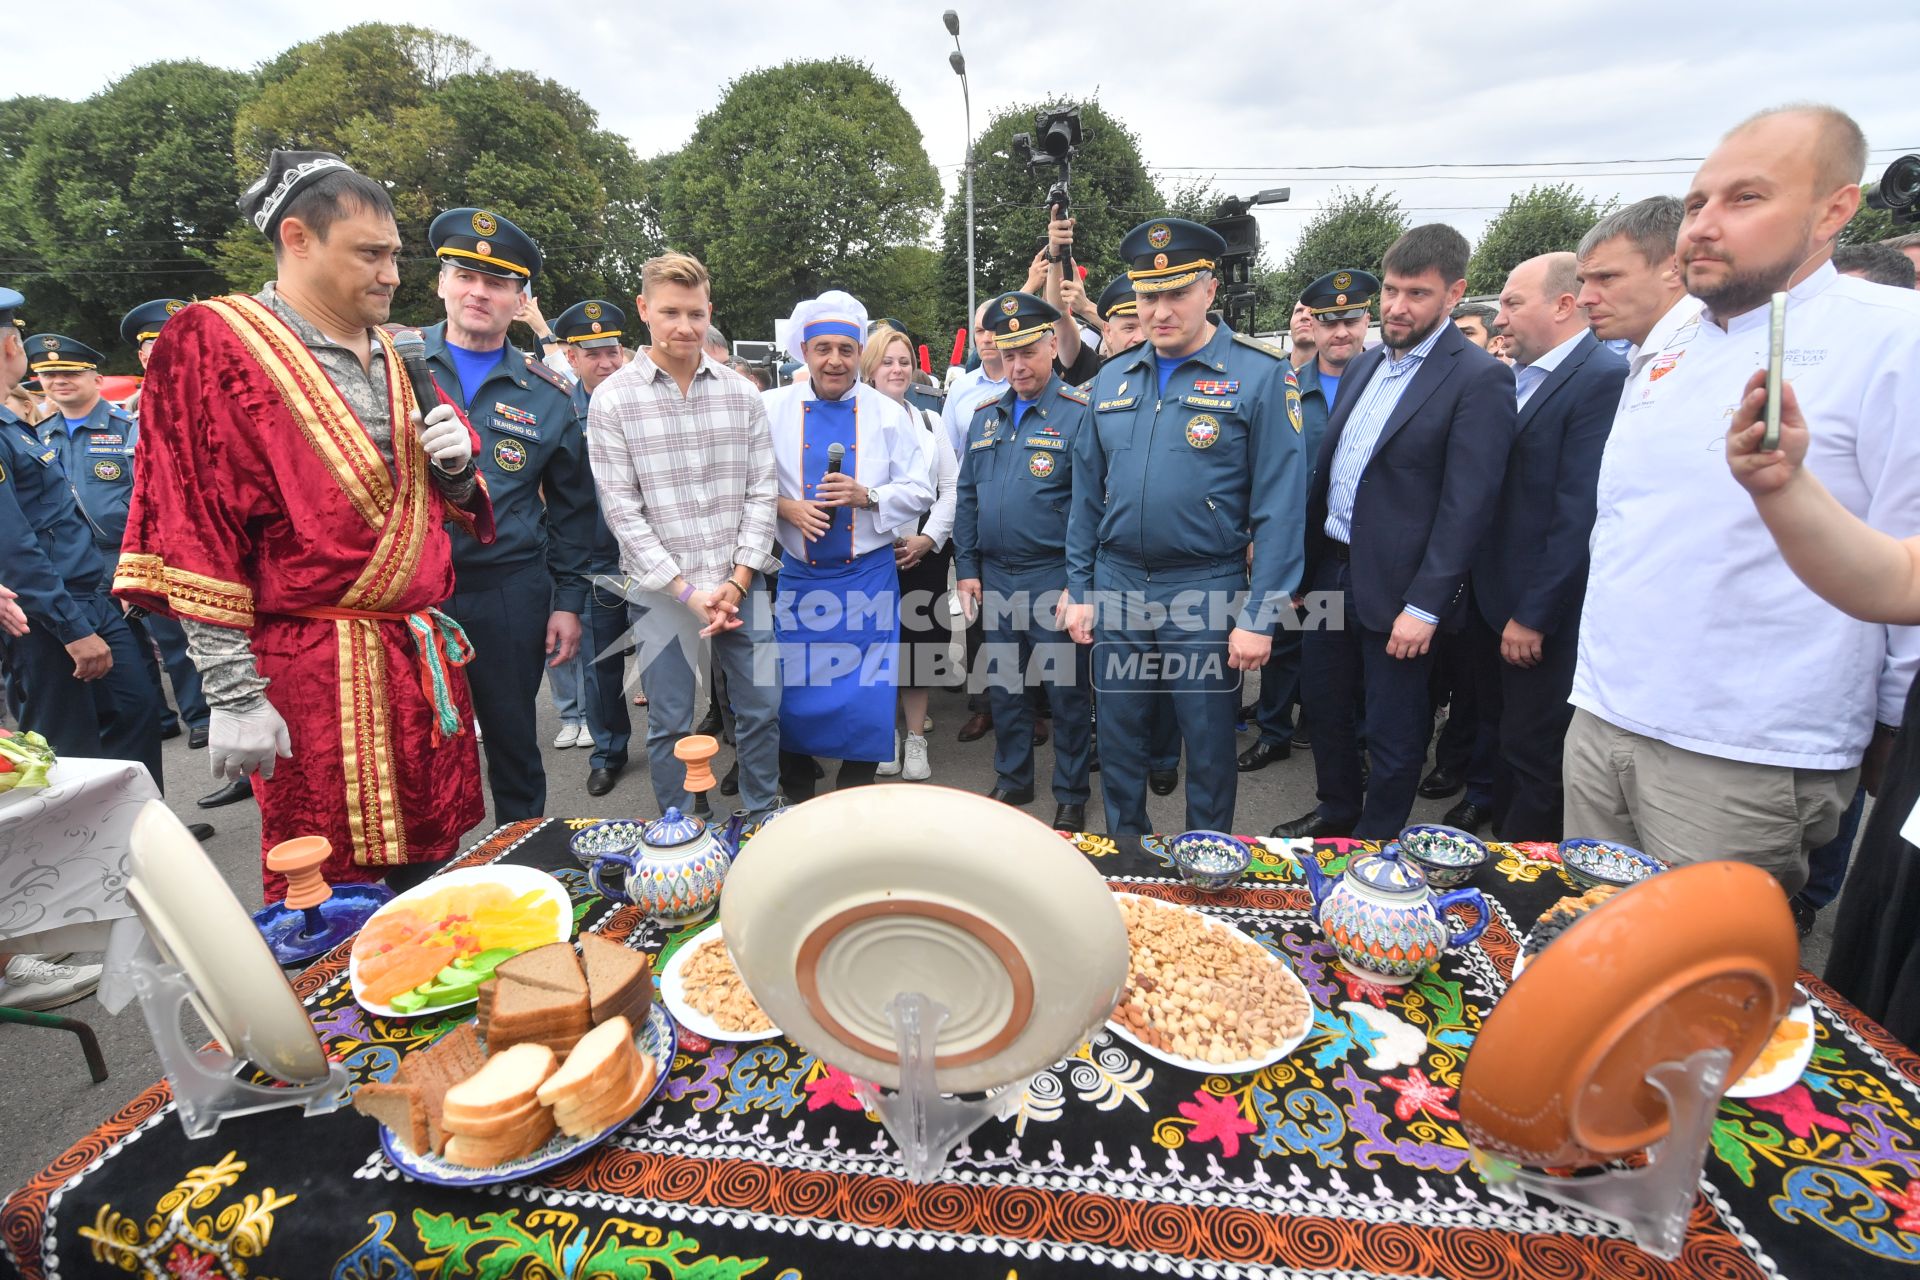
837	619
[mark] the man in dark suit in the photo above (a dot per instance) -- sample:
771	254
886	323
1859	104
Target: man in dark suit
1531	574
1401	494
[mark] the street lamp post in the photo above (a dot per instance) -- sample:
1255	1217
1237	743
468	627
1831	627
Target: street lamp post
958	61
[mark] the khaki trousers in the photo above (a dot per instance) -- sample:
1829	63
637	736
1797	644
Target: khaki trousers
1682	806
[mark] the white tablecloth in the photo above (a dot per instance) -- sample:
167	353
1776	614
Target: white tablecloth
63	866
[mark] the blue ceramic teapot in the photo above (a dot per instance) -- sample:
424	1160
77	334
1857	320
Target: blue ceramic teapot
1383	921
674	873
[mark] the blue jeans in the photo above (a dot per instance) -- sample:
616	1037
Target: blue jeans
1827	865
568	684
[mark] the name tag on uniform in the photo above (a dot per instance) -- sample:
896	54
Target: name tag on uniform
1111	406
110	446
48	457
1208	402
1045	442
982	444
515	421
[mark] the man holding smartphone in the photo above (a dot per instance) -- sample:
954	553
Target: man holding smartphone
1721	710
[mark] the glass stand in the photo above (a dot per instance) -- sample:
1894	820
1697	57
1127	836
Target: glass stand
926	1124
1654	1201
206	1087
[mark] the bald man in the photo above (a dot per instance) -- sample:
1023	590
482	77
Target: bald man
1531	574
1722	710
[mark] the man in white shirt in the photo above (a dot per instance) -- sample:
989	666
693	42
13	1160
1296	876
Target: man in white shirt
1722	711
837	613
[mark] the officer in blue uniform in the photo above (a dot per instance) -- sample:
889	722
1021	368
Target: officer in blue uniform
138	329
1193	453
1009	527
78	670
520	598
590	334
1341	301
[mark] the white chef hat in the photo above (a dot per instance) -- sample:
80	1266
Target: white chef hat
834	312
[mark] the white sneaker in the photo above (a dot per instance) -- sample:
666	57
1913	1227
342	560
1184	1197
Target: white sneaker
917	770
892	767
926	724
34	983
569	736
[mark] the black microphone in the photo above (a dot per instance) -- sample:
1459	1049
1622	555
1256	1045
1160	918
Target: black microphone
412	350
836	453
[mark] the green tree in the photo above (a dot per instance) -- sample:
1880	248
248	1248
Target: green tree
120	198
1351	230
431	118
1545	219
1110	195
1870	225
806	177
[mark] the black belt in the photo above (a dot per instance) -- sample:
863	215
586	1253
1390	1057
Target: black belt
1339	551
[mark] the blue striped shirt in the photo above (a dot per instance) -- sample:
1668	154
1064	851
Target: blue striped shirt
1378	399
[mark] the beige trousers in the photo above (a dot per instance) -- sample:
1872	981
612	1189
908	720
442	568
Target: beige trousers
1682	806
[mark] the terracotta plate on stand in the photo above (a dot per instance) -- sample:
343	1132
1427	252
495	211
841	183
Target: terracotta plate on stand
1701	957
861	895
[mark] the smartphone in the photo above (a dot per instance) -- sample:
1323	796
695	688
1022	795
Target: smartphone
1776	359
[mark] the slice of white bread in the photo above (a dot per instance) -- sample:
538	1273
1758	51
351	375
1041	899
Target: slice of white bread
482	1153
598	1060
592	1123
619	979
495	1125
510	1079
452	1058
553	967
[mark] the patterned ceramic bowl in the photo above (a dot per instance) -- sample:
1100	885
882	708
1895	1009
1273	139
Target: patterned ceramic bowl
621	835
1587	864
1447	856
1209	860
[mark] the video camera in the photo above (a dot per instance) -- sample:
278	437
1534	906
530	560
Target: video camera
1898	191
1053	144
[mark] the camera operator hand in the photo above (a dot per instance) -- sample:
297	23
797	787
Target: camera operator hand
1037	273
1060	235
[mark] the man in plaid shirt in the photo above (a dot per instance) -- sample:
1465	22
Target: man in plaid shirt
684	465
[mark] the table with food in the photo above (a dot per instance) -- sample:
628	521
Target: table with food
624	1048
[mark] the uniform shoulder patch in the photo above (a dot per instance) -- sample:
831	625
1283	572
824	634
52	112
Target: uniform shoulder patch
1074	394
540	370
1266	347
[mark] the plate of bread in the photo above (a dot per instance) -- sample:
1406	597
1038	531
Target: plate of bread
565	1049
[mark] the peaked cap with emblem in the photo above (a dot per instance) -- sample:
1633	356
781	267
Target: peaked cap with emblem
57	353
1169	253
144	321
593	323
1019	319
11	301
1342	294
1118	299
483	241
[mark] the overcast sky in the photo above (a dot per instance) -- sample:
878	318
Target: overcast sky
1251	96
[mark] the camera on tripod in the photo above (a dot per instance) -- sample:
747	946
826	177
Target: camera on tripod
1053	144
1898	191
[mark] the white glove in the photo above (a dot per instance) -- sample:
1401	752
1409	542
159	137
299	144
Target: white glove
444	438
244	742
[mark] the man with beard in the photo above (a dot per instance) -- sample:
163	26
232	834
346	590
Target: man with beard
287	513
1722	710
1400	496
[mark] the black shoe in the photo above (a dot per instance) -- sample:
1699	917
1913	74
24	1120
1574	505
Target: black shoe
231	793
978	726
203	831
1070	817
1805	914
601	781
169	732
1441	783
730	785
711	725
1008	795
1042	730
1261	754
1163	781
1468	816
197	737
1302	740
1311	826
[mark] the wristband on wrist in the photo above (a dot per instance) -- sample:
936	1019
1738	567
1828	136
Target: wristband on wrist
686	595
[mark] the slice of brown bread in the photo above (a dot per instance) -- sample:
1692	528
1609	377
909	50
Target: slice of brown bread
619	979
399	1108
518	1005
452	1058
553	967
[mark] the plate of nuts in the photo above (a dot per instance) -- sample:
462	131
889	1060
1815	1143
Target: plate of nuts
706	995
1202	995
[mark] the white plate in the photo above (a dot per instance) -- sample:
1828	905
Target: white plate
673	990
518	880
1282	974
198	924
861	895
1787	1074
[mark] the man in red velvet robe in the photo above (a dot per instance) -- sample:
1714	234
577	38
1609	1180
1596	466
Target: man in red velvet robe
288	508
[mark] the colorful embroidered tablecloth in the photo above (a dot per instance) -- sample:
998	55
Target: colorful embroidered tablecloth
1347	1158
